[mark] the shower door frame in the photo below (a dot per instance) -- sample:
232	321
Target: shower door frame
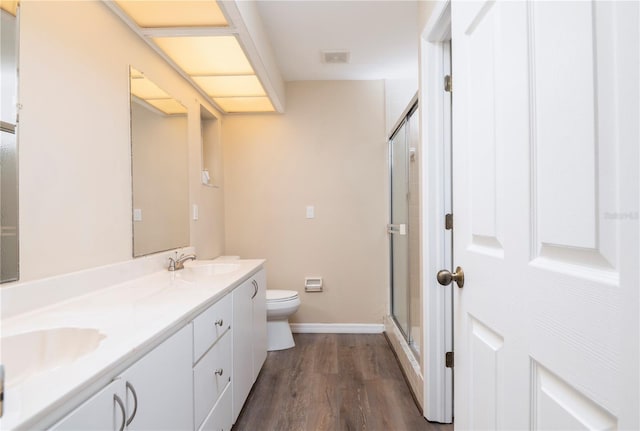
412	109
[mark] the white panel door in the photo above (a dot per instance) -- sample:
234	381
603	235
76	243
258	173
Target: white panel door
545	187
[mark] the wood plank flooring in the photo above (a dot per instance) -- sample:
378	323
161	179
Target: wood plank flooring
333	382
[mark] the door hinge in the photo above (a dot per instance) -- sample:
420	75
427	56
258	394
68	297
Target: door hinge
448	359
448	83
448	221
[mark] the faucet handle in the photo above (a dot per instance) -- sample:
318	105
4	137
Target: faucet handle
172	264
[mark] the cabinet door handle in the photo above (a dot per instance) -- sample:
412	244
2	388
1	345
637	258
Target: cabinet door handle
219	322
255	285
219	372
118	401
135	402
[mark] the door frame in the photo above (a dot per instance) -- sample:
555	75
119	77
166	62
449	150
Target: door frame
436	201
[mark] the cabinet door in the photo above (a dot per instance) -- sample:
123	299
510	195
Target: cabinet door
242	335
103	411
159	387
259	323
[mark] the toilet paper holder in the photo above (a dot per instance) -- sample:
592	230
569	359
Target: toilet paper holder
313	284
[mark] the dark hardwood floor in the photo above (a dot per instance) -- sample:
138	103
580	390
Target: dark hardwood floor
333	382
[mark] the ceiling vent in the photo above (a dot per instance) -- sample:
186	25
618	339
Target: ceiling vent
336	57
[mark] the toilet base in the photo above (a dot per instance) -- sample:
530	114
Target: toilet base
279	335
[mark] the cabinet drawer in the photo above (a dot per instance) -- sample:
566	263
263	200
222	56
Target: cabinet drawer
210	377
210	325
219	418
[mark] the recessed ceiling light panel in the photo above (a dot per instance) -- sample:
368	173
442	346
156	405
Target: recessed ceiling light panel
174	13
206	55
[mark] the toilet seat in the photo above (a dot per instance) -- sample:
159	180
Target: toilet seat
281	295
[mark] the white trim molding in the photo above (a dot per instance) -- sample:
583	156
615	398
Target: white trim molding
435	203
337	328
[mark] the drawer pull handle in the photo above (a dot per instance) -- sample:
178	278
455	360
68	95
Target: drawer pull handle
219	372
219	322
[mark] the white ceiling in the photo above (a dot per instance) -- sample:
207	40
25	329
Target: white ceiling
382	37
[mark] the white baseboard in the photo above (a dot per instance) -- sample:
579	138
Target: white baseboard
337	328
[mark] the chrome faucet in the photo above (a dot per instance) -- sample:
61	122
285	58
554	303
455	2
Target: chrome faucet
178	263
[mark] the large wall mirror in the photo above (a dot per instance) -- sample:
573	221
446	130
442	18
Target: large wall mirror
8	145
159	168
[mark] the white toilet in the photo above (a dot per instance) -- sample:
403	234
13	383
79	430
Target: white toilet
280	305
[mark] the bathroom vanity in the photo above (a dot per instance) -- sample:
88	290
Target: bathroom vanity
162	351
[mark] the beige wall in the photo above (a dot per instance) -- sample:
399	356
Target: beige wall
74	145
328	150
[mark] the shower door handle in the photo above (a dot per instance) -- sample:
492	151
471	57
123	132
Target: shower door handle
397	229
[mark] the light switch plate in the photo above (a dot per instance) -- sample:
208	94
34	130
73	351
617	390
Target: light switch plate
137	214
196	212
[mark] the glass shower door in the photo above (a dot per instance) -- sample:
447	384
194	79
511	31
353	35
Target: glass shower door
399	240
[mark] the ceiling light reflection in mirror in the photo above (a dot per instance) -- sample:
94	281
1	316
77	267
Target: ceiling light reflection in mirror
163	14
10	6
244	104
146	91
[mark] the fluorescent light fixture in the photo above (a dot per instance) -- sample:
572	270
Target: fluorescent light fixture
168	106
10	6
228	86
163	14
214	61
244	104
206	55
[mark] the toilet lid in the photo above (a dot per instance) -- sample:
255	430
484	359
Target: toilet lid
280	295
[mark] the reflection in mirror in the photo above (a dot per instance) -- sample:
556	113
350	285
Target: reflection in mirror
159	168
210	148
8	148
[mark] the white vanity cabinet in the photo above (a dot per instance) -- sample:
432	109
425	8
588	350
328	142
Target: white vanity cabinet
155	393
198	379
249	336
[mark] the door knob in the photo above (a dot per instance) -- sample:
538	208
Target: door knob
445	277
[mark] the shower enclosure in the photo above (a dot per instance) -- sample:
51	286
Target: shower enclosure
404	230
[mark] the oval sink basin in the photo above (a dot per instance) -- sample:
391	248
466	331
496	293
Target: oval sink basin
30	353
210	267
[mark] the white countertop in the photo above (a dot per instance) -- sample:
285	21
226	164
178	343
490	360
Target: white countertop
134	317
